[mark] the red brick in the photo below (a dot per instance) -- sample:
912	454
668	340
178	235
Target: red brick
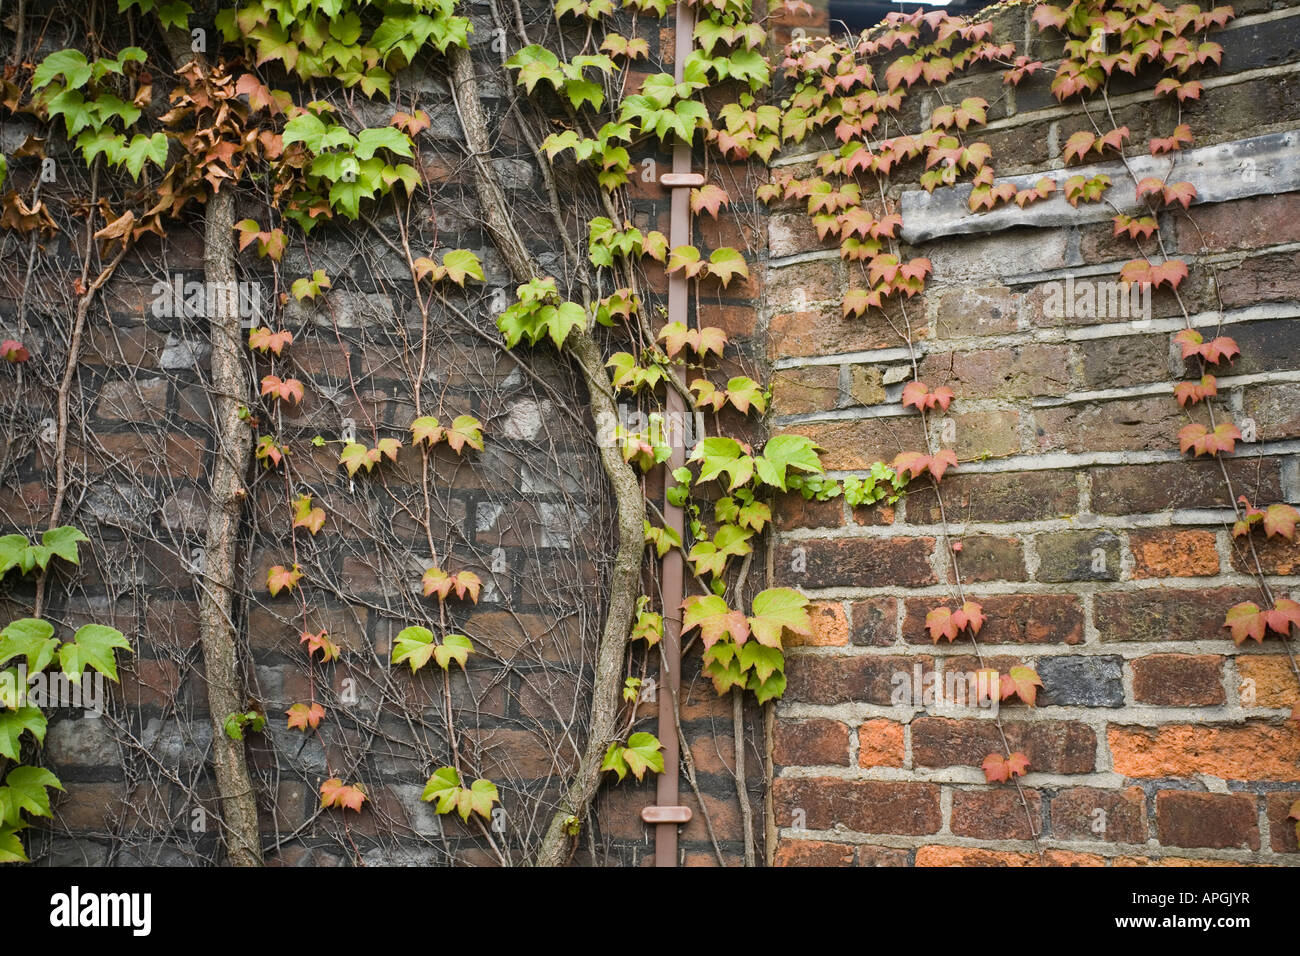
838	679
1123	818
1213	820
867	806
810	743
1017	496
996	814
812	853
1281	828
1179	680
875	622
1052	746
1160	615
1010	619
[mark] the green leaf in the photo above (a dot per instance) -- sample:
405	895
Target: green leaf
763	661
69	64
462	263
454	647
643	752
63	542
482	794
26	788
442	787
144	148
12	549
31	638
385	137
92	646
415	646
784	452
11	847
614	761
777	610
12	725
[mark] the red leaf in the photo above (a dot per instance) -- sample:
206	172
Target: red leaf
1017	764
940	623
1284	614
941	462
303	717
13	351
995	768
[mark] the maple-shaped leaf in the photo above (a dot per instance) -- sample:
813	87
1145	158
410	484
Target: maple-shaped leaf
916	393
279	578
1219	349
939	622
426	429
13	351
1179	193
714	619
1189	393
414	646
1280	519
287	390
356	456
1023	682
320	641
464	430
1282	616
305	516
1246	620
335	793
725	264
708	199
1017	764
970	615
995	769
910	463
264	340
940	462
454	647
411	123
1078	145
305	717
777	610
1181	136
685	259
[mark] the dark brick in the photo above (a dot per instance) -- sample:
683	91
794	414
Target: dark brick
1141	489
1160	615
1078	556
856	562
1081	681
1024	496
985	557
875	622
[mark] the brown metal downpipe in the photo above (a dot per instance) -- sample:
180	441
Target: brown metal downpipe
667	791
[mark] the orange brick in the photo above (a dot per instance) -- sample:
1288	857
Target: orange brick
1274	685
830	627
966	856
1173	554
1250	752
1068	858
880	744
813	853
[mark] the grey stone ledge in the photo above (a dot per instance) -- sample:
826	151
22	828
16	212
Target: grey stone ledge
1258	165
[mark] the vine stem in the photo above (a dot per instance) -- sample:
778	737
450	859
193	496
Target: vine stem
555	848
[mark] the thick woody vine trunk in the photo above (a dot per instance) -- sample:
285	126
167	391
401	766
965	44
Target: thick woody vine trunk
231	453
216	596
625	584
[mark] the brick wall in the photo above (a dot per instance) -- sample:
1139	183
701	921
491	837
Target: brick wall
1102	557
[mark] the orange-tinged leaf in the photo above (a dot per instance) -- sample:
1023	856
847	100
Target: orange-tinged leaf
1246	620
1280	519
941	461
1023	682
1283	615
305	516
1017	764
940	623
709	198
286	390
280	578
335	793
264	340
305	717
995	769
320	641
714	619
